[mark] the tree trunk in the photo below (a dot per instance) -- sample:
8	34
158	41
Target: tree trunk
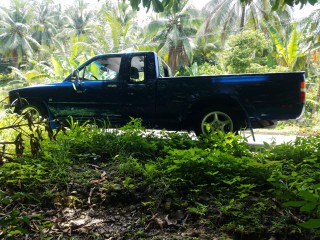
172	61
243	16
15	58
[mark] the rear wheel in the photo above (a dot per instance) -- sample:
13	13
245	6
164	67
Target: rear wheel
212	120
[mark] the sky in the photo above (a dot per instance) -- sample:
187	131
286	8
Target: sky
299	13
305	11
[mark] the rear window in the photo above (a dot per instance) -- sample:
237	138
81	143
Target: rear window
164	70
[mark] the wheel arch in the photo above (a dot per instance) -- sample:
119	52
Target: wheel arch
231	105
20	103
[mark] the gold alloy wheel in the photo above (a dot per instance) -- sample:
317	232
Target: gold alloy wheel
216	121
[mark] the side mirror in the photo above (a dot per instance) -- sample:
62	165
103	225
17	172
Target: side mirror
76	82
75	75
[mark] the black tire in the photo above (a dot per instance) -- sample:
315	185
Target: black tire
216	119
35	110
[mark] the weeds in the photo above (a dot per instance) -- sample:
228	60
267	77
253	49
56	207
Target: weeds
218	182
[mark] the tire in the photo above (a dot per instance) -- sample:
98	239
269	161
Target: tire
35	110
212	120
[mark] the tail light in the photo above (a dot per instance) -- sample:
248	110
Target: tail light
303	91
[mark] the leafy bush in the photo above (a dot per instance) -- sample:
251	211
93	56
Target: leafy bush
218	180
247	50
203	69
6	77
296	180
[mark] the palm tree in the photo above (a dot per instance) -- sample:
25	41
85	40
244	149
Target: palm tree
231	16
313	26
118	28
15	37
44	24
79	19
173	31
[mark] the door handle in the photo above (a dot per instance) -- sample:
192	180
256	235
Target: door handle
112	86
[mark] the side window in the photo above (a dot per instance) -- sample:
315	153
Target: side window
106	68
137	69
161	68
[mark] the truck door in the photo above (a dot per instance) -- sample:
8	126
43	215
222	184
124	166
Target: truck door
97	95
139	101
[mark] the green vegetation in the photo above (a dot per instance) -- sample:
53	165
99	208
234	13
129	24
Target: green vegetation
72	182
162	5
242	47
90	183
44	40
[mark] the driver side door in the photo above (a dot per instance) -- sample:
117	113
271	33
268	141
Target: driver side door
96	95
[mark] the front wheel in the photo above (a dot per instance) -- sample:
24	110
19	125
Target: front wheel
34	111
216	120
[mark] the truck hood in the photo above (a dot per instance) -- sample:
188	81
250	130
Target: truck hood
40	86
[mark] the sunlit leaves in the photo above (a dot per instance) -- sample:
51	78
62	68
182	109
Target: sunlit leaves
246	49
290	50
293	46
119	30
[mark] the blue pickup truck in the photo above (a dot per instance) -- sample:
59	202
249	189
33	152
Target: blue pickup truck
115	87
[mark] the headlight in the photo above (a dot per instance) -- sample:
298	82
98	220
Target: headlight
7	104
